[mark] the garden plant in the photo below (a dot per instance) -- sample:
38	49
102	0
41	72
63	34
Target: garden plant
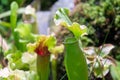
27	55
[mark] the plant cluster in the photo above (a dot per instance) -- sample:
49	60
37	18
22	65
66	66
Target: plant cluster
27	55
102	17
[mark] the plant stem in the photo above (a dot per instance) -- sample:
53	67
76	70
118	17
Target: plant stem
54	65
43	69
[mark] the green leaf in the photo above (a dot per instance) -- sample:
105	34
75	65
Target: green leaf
115	71
31	47
50	42
20	2
13	17
78	30
15	61
0	66
4	2
8	13
61	18
5	24
13	20
75	62
24	31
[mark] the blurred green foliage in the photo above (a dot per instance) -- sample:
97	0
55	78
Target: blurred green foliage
4	4
115	71
17	34
102	17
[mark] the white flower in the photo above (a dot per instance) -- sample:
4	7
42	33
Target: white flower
83	27
4	72
106	48
29	10
28	58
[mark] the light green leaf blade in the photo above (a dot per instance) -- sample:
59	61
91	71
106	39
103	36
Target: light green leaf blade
13	17
115	71
13	21
78	30
24	31
50	42
61	17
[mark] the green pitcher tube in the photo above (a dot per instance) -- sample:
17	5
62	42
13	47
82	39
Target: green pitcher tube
75	62
43	67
